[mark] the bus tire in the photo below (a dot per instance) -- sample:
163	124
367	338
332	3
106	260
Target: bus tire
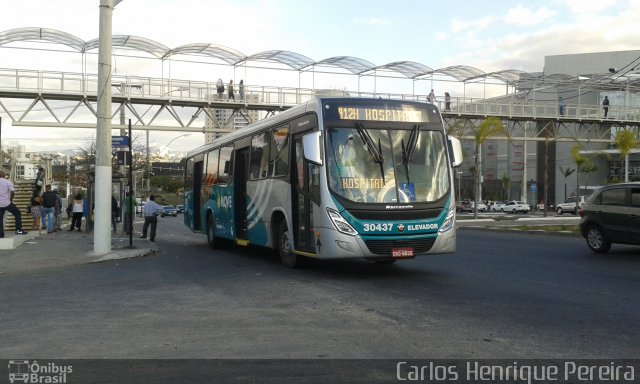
216	242
287	257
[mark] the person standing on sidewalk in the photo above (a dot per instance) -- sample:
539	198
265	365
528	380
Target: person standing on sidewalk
115	210
77	210
36	211
39	180
7	192
58	217
151	212
49	202
129	204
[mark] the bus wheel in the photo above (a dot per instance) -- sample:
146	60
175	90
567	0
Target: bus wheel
211	232
288	258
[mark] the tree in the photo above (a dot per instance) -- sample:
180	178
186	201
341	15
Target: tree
84	162
166	183
626	141
587	168
505	182
490	126
580	161
566	173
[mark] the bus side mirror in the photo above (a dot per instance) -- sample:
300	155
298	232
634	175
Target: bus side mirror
455	151
312	147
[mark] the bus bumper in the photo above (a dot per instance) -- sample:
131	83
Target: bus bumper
341	246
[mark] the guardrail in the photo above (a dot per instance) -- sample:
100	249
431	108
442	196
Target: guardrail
69	83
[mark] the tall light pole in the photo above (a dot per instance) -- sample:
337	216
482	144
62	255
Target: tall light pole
102	224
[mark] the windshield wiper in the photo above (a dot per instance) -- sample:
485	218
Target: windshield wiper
405	162
376	152
371	147
411	145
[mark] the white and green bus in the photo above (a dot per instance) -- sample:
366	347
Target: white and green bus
333	178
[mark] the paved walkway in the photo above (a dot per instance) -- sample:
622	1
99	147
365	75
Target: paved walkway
34	252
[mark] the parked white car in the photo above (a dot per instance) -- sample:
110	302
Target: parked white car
516	206
569	205
482	207
497	206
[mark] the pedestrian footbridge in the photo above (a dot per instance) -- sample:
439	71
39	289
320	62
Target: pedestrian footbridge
68	100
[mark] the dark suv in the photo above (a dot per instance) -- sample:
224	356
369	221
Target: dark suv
611	215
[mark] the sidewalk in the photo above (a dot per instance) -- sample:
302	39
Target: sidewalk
501	221
35	252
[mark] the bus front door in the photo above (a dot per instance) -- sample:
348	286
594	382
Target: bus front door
302	206
240	175
197	194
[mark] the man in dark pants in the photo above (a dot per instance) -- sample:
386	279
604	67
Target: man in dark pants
129	204
151	212
7	192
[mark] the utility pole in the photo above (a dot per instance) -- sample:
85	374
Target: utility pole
103	187
148	166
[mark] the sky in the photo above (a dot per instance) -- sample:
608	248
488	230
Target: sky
490	35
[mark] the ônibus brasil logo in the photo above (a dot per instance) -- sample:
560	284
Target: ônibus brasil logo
25	371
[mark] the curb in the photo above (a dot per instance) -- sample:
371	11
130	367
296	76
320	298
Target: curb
122	255
533	232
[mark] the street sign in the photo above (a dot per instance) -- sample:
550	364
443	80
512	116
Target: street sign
120	142
123	158
533	187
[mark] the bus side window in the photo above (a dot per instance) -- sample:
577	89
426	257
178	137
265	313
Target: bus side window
224	169
279	163
259	156
211	172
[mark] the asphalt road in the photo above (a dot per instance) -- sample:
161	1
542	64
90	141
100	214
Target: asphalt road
501	295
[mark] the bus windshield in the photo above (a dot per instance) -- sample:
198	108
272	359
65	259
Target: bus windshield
387	165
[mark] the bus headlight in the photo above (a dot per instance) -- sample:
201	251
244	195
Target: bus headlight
450	221
340	223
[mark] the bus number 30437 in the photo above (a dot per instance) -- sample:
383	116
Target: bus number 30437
380	227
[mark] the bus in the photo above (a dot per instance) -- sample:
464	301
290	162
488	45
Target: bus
333	178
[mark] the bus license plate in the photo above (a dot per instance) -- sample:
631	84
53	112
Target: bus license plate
402	252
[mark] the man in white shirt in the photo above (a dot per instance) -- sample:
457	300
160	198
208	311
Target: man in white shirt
7	193
151	211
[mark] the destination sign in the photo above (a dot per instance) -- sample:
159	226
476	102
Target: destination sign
382	114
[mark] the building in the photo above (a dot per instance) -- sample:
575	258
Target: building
227	120
574	86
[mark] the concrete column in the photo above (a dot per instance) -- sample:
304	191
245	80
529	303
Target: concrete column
103	188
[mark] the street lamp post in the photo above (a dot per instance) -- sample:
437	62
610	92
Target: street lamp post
148	165
172	140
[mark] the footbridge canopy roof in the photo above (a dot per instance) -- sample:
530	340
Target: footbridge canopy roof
296	61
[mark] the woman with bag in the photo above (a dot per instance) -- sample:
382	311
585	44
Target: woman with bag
36	211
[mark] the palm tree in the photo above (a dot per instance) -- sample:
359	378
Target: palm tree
626	141
587	169
580	161
566	173
488	127
505	181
